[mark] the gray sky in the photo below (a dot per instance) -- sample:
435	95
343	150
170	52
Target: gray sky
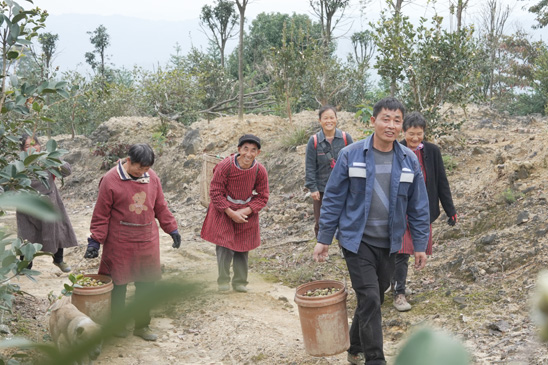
161	24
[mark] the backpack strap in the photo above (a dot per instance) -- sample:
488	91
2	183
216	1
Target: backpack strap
315	141
344	137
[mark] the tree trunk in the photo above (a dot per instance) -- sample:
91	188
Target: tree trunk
241	7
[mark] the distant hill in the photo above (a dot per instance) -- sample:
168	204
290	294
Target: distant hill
141	42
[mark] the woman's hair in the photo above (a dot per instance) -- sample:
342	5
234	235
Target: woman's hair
414	119
141	153
24	138
389	103
327	107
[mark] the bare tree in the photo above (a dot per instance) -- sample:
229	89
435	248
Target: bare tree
396	5
364	47
242	4
220	19
325	10
457	7
494	17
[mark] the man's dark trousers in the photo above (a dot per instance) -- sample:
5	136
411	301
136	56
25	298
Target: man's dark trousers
370	271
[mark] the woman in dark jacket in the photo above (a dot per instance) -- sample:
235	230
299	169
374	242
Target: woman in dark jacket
321	154
437	187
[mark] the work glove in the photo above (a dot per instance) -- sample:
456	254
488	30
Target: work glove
452	220
176	239
93	249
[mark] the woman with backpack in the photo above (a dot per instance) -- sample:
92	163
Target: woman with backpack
321	155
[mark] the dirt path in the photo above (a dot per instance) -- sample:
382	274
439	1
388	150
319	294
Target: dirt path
261	326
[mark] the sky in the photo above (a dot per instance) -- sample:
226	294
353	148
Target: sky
144	32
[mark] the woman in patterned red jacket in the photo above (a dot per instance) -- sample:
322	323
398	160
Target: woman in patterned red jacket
130	200
238	191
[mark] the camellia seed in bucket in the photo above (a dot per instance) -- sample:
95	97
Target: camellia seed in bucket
92	296
323	316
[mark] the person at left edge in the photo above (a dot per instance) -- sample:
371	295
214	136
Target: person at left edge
130	199
54	236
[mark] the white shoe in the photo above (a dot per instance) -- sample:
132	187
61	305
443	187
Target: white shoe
400	303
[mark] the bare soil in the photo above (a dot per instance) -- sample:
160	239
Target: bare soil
477	285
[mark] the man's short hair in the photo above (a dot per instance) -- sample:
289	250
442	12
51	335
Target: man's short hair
141	153
388	103
414	119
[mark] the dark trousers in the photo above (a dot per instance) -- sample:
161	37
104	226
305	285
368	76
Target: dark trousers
370	272
239	260
57	258
317	204
118	302
400	273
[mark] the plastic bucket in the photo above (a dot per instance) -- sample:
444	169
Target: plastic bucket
324	319
94	301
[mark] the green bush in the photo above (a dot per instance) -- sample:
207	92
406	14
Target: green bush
449	163
298	137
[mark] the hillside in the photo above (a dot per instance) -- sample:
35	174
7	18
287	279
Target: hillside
476	284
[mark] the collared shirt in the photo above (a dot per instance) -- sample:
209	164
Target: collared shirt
145	179
348	194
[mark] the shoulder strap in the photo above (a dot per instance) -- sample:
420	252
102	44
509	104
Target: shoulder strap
315	141
344	137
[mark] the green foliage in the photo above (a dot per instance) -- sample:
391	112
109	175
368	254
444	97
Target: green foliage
213	83
449	163
264	35
221	20
12	248
22	106
110	153
297	137
510	196
290	63
171	92
100	40
162	293
364	113
541	10
428	347
439	70
394	38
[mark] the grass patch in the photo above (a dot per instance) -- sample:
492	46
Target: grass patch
298	137
449	163
509	196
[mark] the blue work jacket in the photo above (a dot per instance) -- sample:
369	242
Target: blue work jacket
347	198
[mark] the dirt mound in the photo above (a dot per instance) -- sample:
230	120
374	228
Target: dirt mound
476	284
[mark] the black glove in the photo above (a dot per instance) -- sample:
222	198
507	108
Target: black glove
452	220
176	240
93	249
91	253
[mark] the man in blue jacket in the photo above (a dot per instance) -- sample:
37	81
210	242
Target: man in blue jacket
375	189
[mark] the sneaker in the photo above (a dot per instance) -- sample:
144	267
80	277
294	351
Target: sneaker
63	266
145	333
241	288
400	303
358	359
224	287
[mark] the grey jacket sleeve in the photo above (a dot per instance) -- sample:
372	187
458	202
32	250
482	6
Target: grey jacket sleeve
310	166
